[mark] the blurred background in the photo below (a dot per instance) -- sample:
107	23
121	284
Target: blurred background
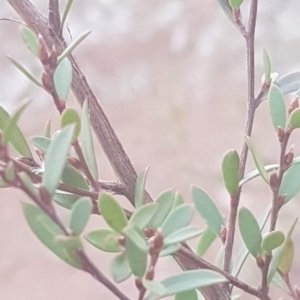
171	76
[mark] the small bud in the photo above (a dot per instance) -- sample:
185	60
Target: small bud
281	200
280	134
53	57
47	83
223	234
158	240
236	13
260	262
150	273
288	158
148	232
44	194
121	240
139	284
294	104
274	181
43	53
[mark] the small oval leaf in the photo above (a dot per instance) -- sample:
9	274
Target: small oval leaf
142	216
250	231
120	268
62	79
277	107
70	116
112	212
182	235
30	40
230	171
205	241
267	66
105	240
289	83
41	143
294	118
73	177
140	188
272	240
287	257
81	212
207	210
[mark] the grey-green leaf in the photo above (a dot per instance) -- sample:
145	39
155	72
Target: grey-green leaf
66	12
188	295
267	66
250	231
56	157
105	240
230	171
277	107
15	136
87	141
272	240
112	212
289	83
81	212
182	235
205	241
62	79
290	184
30	40
187	281
207	210
257	159
294	118
65	199
73	177
140	188
180	217
143	215
41	143
47	231
120	268
165	201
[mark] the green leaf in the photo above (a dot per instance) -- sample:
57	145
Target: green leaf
41	143
105	239
207	210
180	217
143	215
290	184
257	160
182	234
287	257
120	268
278	252
267	66
277	107
47	130
62	79
56	157
47	231
112	212
87	142
154	287
81	212
140	188
255	173
13	134
235	4
230	171
72	46
187	281
205	241
73	177
70	116
136	251
188	295
65	199
272	240
26	180
243	253
30	40
25	72
250	231
289	83
165	202
294	118
279	282
66	12
178	200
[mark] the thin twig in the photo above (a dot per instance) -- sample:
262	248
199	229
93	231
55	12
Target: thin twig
251	107
13	20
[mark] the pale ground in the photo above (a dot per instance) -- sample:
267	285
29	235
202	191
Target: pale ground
171	77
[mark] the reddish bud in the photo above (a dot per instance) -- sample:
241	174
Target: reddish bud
294	104
158	240
121	240
236	14
47	82
148	232
139	284
223	234
288	158
150	273
280	134
274	181
43	52
260	262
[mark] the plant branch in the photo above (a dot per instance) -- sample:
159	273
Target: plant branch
251	107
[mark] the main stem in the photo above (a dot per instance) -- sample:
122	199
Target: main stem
251	107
